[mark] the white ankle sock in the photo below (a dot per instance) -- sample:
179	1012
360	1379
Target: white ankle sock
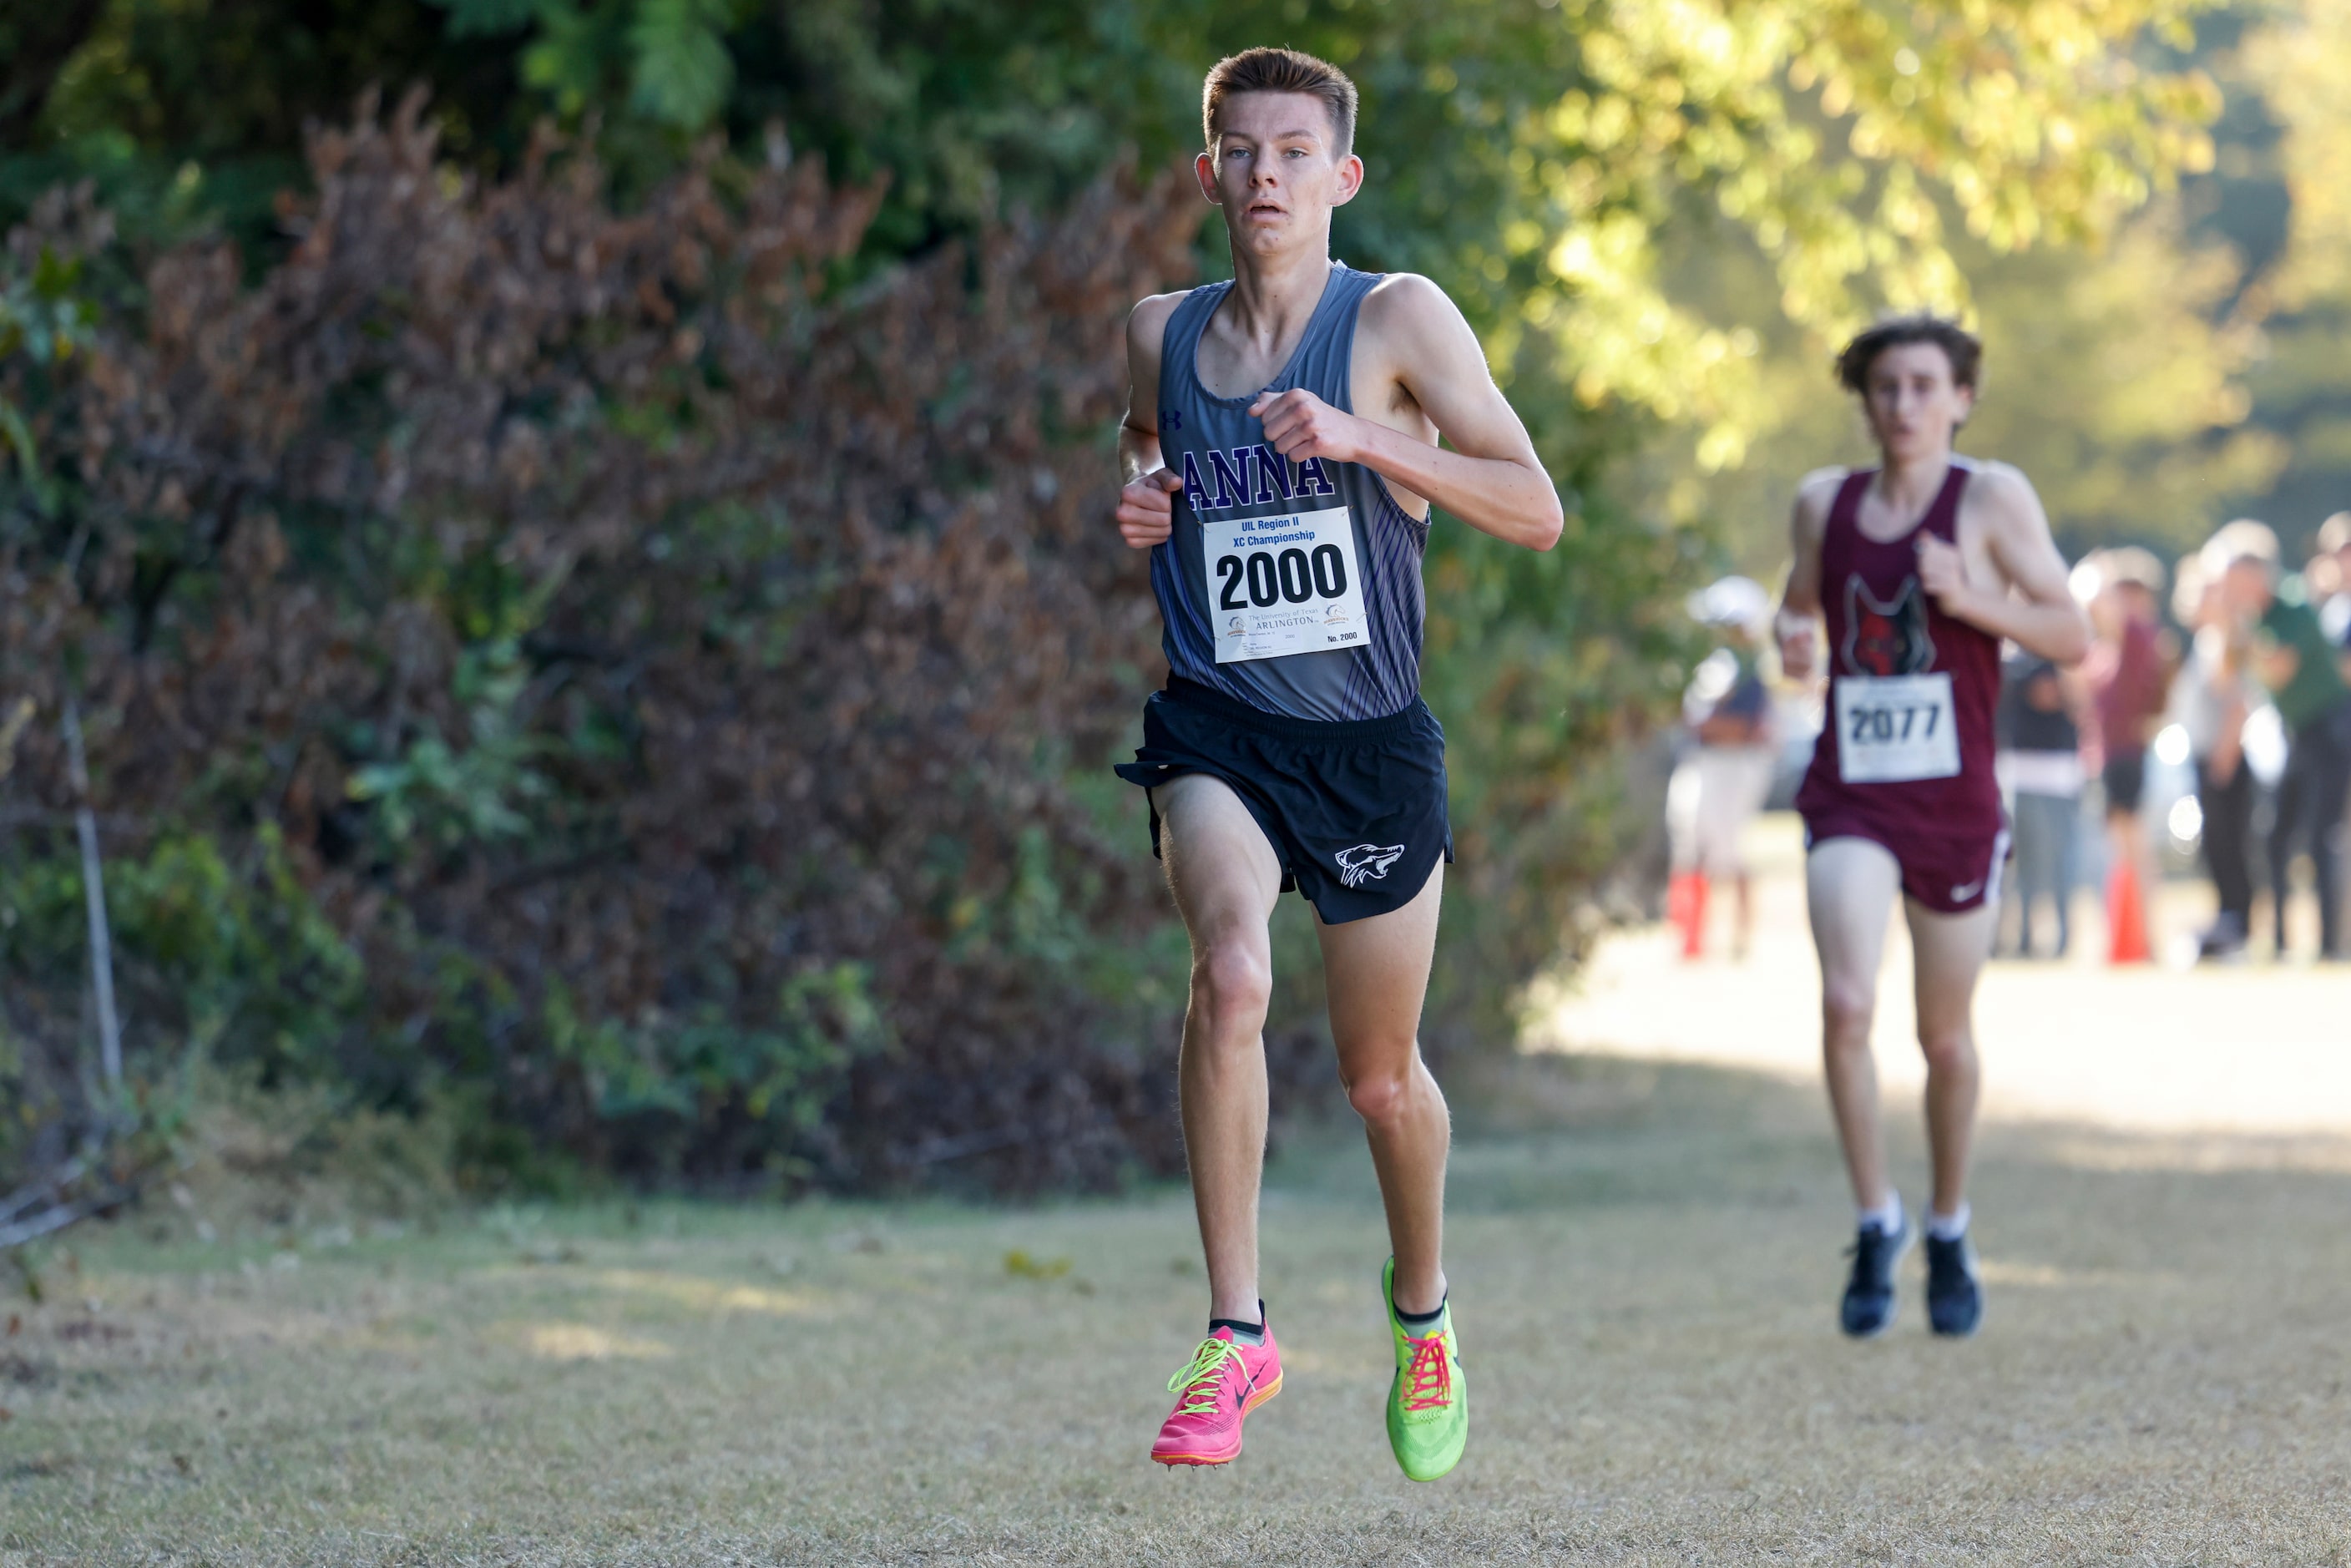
1949	1227
1887	1217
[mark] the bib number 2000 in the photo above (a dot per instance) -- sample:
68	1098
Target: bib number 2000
1892	729
1284	585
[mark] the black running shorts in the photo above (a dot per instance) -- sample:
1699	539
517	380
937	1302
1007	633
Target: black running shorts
1355	812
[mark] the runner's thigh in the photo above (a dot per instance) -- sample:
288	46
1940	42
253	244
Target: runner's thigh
1948	953
1850	885
1223	871
1375	972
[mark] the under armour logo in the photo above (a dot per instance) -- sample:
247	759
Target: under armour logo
1360	864
1173	419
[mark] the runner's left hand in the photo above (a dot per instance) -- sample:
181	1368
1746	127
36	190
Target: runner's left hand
1943	573
1300	426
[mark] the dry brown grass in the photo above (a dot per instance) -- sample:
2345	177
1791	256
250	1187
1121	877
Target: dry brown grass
1644	1258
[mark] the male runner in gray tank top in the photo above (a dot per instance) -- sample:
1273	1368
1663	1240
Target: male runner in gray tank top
1281	457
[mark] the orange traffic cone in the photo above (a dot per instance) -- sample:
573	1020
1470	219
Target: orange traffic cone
2126	916
1685	907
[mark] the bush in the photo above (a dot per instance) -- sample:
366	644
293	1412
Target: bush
594	656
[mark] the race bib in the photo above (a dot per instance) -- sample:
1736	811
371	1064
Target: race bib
1892	729
1284	585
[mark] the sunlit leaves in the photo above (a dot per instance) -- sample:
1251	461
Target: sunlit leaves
1835	133
2301	65
2298	63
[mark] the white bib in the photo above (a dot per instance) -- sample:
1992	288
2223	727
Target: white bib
1284	585
1892	729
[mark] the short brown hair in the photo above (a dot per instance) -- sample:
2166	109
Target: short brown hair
1959	345
1280	70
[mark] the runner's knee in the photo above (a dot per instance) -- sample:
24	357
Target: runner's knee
1948	1049
1380	1097
1846	1008
1233	980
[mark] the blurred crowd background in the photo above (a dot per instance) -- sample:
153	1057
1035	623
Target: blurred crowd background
2207	735
571	534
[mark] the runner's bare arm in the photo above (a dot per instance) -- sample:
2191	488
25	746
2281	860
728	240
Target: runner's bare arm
1146	514
1797	624
1492	480
2034	607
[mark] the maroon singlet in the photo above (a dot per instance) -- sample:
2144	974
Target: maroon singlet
1882	623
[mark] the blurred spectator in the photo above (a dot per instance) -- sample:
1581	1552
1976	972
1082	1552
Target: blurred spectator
2210	698
2040	768
2127	680
1721	785
2301	668
2329	579
2330	576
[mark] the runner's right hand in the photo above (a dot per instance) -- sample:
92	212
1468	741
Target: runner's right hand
1799	642
1146	508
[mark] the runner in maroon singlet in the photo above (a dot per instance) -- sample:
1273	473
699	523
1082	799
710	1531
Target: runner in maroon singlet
1910	771
1919	567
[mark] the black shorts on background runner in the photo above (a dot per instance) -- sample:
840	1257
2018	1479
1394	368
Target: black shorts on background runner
1355	812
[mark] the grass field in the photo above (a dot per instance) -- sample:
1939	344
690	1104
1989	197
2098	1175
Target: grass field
1644	1250
1645	1261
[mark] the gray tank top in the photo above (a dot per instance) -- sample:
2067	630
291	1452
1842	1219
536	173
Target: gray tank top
1314	612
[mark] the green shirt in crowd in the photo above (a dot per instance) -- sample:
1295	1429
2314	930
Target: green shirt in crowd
2317	685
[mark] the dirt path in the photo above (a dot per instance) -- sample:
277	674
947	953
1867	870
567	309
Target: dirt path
2255	1047
1644	1255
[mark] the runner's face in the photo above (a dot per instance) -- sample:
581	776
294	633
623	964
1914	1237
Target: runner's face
1274	172
1913	406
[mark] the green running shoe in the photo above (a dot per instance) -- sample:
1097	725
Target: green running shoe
1428	1403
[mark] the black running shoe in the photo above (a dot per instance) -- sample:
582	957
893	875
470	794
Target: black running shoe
1867	1310
1954	1292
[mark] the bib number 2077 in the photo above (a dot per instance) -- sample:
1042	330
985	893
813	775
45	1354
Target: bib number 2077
1284	585
1893	729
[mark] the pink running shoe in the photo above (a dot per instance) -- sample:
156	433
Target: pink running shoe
1225	1382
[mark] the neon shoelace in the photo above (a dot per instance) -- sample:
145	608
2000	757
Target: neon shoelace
1428	1375
1198	1382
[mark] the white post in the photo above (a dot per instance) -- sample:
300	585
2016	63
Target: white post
93	888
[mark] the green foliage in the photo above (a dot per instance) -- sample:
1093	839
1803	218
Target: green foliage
2114	377
1543	670
2293	60
825	1018
43	313
482	789
682	71
237	961
489	18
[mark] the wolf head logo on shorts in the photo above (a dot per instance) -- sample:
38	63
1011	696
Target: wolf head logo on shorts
1364	861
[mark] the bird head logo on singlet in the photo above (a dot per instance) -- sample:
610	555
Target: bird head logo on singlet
1364	861
1887	638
